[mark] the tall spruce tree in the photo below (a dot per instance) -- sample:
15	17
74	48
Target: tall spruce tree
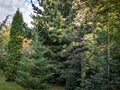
14	46
54	25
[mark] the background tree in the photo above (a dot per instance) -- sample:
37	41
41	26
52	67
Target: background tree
105	37
4	38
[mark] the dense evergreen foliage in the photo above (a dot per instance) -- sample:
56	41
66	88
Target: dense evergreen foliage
105	72
74	43
36	70
54	26
14	46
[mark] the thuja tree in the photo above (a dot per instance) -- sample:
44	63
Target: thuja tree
14	46
52	24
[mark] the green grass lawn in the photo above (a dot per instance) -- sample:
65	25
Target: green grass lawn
8	85
13	86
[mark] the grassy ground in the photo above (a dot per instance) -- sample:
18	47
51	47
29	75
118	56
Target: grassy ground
56	88
13	86
8	85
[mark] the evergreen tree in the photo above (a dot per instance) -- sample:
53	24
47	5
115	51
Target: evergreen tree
76	53
54	25
4	38
76	59
106	50
14	46
35	71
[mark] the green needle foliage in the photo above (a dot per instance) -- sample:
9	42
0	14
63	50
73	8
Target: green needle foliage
14	46
35	71
54	27
75	43
106	50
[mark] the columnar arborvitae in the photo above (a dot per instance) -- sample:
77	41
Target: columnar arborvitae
14	46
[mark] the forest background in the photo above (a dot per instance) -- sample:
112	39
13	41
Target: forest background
73	43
